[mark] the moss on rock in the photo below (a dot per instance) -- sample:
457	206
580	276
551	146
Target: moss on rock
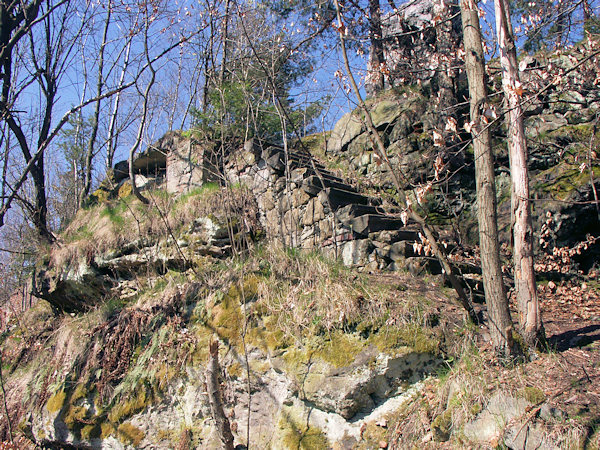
130	434
130	405
56	402
296	435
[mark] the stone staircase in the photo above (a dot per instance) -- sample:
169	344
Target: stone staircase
305	205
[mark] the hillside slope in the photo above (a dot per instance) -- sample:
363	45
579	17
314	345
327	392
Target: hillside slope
335	327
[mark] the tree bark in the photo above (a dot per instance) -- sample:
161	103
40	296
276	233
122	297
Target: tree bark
446	73
525	288
113	135
87	184
225	40
215	397
15	21
377	57
500	322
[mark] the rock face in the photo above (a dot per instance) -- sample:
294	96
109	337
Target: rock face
76	287
304	205
134	377
416	47
137	379
559	124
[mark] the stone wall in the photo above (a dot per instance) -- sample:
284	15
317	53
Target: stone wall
176	160
304	205
300	202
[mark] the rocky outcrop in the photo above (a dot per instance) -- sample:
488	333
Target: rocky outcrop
418	46
562	143
75	287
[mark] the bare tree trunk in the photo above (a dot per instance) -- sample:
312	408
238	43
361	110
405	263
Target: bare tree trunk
112	134
12	22
87	183
525	288
215	397
140	133
377	57
225	39
446	73
500	322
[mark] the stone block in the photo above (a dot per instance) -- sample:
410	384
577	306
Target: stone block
356	252
314	212
345	130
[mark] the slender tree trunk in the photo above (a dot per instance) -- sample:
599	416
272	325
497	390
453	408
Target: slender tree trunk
225	39
377	57
144	118
525	288
215	397
89	156
112	127
500	323
10	24
587	15
445	44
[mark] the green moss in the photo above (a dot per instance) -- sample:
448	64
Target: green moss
56	402
226	316
246	291
226	319
74	416
81	391
442	426
125	190
129	406
339	349
270	337
297	436
533	395
235	370
315	143
92	431
520	344
415	337
106	429
130	434
100	195
164	375
563	180
575	133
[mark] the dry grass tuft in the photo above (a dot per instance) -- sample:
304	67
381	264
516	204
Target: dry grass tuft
110	225
311	294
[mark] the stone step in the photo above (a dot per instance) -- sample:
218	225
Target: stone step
300	173
370	223
275	158
322	172
349	212
312	185
305	159
337	198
